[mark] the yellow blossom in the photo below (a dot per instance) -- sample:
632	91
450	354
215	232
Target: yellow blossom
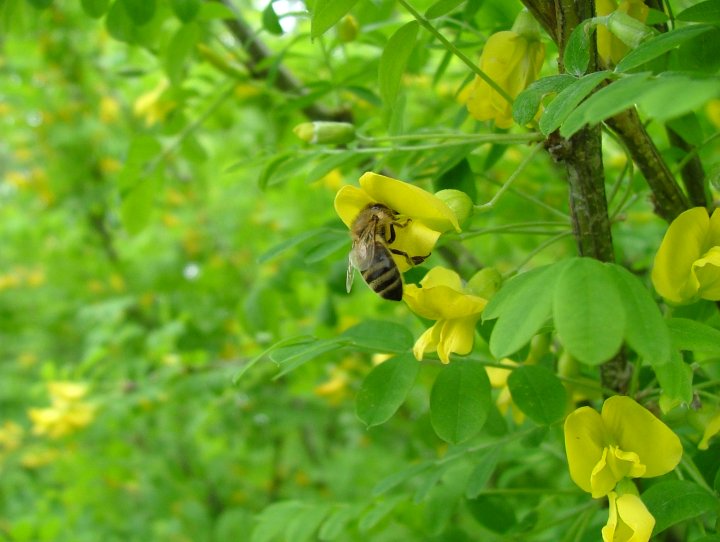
10	436
38	457
334	389
498	380
429	216
610	48
67	413
512	59
628	521
109	109
625	440
687	264
443	298
710	420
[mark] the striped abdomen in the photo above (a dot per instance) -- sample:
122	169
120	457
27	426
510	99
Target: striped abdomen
383	275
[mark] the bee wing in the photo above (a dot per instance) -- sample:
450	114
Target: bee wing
350	274
363	252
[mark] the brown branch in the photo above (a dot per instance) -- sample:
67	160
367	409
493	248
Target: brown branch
669	200
281	77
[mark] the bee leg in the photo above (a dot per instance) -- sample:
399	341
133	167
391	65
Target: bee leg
411	260
391	230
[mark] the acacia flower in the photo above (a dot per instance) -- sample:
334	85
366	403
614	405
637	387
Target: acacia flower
498	380
68	411
629	519
443	298
610	48
625	440
512	59
687	264
429	215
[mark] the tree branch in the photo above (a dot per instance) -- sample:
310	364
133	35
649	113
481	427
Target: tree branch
282	78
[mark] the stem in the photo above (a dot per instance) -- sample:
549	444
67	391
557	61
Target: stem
457	52
497	139
515	174
668	198
282	78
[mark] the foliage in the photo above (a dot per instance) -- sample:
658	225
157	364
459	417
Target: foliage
180	357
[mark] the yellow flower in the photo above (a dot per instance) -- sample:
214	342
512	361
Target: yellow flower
687	264
711	422
442	297
626	440
498	380
629	520
153	106
429	215
511	58
610	48
67	413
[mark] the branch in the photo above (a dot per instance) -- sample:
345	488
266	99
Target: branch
282	78
669	200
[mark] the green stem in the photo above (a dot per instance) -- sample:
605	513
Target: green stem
454	50
520	227
537	250
496	139
515	174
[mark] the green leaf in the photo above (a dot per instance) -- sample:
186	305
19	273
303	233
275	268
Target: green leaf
40	4
291	242
325	13
694	336
702	12
577	50
481	474
660	100
179	50
493	512
303	525
393	60
95	8
140	11
270	20
385	389
675	379
538	393
378	512
646	331
273	520
289	358
137	204
397	478
588	311
658	45
568	99
119	24
335	524
673	501
460	401
441	7
528	101
378	336
606	102
186	10
523	305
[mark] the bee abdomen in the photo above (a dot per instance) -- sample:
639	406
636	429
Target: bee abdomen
384	278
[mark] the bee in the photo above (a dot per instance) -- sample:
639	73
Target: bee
372	232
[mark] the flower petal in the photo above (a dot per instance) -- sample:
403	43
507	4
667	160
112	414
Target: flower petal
685	241
442	302
410	201
707	273
711	429
636	429
631	522
442	276
585	440
427	342
603	477
456	336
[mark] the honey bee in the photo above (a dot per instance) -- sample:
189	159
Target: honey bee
372	232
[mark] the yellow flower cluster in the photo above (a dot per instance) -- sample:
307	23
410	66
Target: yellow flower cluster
67	413
604	449
610	48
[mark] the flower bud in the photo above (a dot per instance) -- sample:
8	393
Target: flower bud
325	132
459	202
525	25
347	29
628	29
485	283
